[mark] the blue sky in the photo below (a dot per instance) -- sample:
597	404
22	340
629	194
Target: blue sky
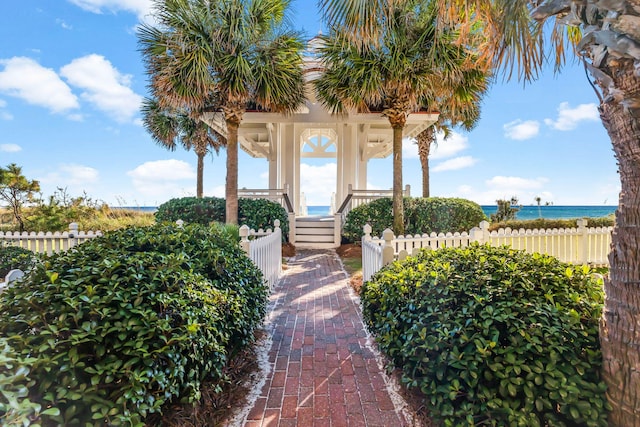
71	81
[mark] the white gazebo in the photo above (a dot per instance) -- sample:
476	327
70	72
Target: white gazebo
312	132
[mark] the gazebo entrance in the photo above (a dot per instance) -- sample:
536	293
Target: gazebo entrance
312	132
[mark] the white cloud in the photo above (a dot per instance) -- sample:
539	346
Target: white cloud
71	174
569	118
77	174
139	7
63	24
318	182
103	86
516	183
24	78
455	164
521	130
218	191
410	149
163	179
505	187
442	149
449	147
10	148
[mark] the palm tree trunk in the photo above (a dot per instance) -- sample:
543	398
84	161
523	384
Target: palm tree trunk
398	207
424	140
620	330
231	189
200	174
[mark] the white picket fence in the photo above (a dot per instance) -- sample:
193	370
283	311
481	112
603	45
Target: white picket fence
264	247
48	242
265	250
581	245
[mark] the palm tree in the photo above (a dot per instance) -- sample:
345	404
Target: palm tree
458	106
408	65
223	57
170	127
606	37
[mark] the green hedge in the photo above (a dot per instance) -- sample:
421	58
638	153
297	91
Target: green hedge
118	327
255	213
13	257
421	215
493	336
543	224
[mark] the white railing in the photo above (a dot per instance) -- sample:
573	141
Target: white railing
356	198
278	195
48	242
265	250
581	245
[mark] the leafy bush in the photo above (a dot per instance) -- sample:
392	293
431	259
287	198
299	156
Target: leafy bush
259	213
493	336
421	215
542	223
442	215
15	406
123	324
377	213
13	257
192	210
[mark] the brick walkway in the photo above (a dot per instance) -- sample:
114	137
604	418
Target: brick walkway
323	371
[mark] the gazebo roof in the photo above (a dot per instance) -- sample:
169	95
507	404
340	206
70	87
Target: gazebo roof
255	132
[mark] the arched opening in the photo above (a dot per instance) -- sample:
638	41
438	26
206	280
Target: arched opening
318	171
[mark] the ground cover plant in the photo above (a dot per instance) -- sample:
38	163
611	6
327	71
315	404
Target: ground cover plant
119	327
493	336
421	215
255	213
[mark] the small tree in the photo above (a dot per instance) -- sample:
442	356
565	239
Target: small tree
16	190
507	210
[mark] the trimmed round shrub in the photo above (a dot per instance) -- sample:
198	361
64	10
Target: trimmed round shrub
255	213
442	215
377	213
13	257
192	210
124	324
421	215
493	336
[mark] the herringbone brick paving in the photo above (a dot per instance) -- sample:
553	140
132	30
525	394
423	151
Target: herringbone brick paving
323	371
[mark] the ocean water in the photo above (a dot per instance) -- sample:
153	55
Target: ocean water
525	212
318	210
556	212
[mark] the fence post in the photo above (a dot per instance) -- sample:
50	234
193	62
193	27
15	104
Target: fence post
584	241
387	249
367	233
480	234
13	275
73	234
244	238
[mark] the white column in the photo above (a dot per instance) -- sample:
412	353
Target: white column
340	153
274	154
295	190
362	158
287	164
